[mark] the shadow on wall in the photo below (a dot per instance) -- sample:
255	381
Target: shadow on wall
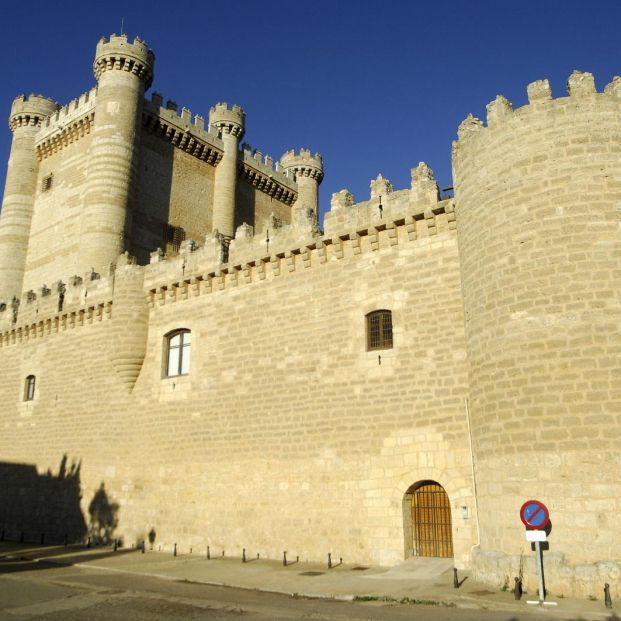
45	508
103	517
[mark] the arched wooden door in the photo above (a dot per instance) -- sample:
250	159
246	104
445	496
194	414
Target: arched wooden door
431	521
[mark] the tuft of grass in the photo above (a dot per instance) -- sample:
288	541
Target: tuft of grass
404	600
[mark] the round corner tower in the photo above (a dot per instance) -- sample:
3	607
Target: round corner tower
230	125
538	207
27	114
308	172
124	71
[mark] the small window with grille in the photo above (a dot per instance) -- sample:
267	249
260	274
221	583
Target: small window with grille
173	236
379	330
46	184
29	388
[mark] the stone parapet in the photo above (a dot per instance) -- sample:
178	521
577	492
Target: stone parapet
184	130
268	176
68	124
285	249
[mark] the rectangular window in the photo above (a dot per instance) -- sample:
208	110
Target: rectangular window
379	330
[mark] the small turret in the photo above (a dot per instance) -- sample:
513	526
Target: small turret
308	171
229	123
27	114
31	111
228	120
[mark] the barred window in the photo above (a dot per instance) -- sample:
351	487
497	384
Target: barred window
177	351
46	184
29	388
173	236
379	330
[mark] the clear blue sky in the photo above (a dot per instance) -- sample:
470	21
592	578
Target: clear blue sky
373	86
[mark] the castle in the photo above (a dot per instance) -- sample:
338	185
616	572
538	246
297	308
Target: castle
174	320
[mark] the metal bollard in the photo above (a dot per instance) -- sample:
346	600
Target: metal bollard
284	558
65	541
21	537
455	578
175	549
517	589
607	598
208	553
329	560
42	539
116	545
243	555
142	548
88	542
2	535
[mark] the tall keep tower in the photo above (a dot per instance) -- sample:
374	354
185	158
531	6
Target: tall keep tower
19	191
230	126
124	71
538	195
308	170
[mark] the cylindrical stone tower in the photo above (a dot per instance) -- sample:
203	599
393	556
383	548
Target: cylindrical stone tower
538	208
19	191
308	170
124	71
230	125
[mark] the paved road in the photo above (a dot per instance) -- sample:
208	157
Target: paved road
48	592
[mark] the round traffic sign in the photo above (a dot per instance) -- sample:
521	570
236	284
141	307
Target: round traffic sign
534	514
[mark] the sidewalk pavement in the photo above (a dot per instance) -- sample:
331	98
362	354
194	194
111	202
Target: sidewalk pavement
416	581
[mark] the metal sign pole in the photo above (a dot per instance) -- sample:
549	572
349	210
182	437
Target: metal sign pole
542	593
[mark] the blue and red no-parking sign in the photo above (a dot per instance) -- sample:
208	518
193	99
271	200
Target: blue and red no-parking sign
534	514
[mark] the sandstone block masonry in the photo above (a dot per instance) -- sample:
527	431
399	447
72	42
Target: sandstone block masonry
212	367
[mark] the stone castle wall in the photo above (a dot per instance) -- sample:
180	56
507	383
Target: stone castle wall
212	458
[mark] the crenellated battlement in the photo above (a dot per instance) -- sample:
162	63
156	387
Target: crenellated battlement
184	130
65	304
69	123
32	110
228	120
385	203
580	91
119	53
303	164
266	174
